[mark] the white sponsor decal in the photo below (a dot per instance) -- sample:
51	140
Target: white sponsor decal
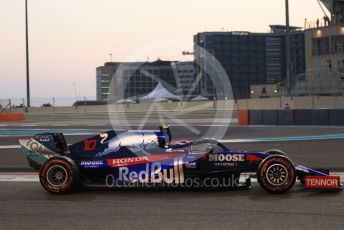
226	157
91	163
44	137
175	150
240	33
36	147
327	182
104	136
191	165
128	161
154	173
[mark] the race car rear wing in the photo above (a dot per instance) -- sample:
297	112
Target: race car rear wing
43	146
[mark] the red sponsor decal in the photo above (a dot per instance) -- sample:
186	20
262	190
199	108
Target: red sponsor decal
90	145
120	162
251	157
322	182
183	142
204	157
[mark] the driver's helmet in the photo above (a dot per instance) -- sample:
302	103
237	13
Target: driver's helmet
165	125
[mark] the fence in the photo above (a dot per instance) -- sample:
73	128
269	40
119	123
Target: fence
296	117
46	103
86	104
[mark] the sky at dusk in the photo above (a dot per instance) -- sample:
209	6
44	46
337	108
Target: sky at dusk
69	38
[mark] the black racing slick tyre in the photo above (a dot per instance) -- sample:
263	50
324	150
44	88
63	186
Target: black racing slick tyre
59	175
276	174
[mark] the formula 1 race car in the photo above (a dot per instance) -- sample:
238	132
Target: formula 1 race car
148	158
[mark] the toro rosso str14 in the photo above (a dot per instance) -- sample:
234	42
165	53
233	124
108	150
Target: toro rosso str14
147	157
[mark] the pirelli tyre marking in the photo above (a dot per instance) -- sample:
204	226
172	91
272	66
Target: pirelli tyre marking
276	174
58	175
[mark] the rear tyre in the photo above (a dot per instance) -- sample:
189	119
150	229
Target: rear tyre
59	175
276	174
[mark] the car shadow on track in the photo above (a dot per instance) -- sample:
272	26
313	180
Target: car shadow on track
256	193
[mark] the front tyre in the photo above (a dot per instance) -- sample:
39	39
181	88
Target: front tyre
276	174
275	152
59	175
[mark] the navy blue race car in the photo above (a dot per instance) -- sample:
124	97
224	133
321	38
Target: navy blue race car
139	158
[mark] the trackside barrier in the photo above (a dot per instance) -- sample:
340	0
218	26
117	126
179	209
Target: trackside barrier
296	117
270	117
320	117
255	117
285	117
11	117
303	117
243	117
336	116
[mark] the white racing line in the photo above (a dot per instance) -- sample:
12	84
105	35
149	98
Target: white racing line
33	177
10	147
65	134
19	177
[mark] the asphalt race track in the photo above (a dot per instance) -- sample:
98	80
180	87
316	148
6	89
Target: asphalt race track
25	205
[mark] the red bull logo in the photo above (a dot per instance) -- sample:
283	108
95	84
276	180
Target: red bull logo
154	173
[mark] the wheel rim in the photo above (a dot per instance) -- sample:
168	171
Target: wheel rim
57	175
277	174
